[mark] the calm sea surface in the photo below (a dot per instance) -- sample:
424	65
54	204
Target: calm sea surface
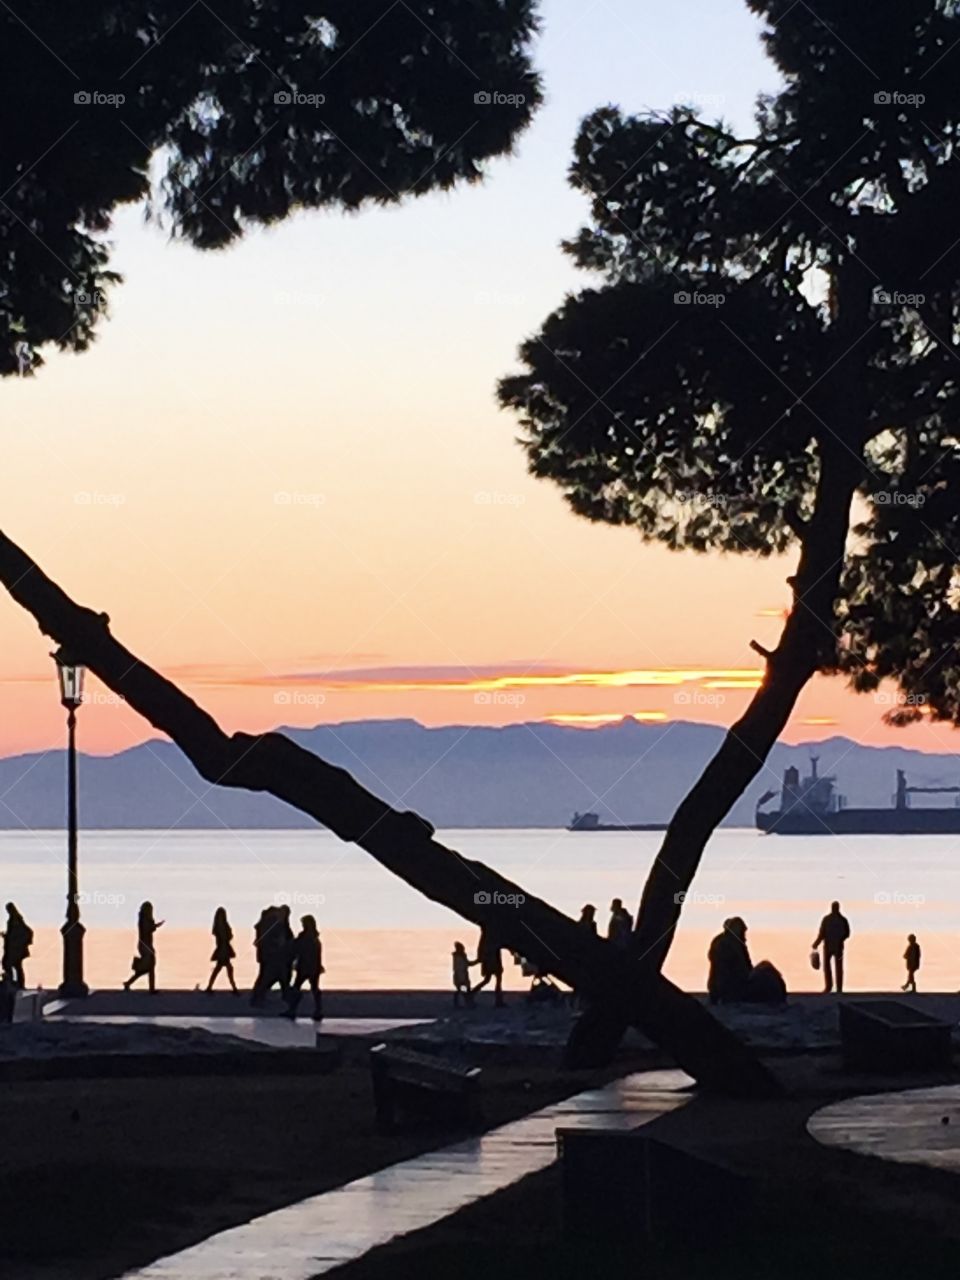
380	933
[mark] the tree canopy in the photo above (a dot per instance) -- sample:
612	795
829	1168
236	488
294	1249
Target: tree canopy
223	117
764	300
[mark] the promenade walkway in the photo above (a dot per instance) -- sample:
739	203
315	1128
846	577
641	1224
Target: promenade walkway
325	1231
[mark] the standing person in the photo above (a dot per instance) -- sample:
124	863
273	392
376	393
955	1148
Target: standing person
285	949
307	952
273	943
912	957
223	952
490	960
145	961
461	976
621	925
260	950
588	919
17	940
833	935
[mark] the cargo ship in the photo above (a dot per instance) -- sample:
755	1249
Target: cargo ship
591	822
812	806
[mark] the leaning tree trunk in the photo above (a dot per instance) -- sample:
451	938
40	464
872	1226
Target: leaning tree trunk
401	841
807	644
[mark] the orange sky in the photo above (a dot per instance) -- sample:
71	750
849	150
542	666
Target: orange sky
284	462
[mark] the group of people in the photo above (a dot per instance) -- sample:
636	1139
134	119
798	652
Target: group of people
733	977
284	959
489	957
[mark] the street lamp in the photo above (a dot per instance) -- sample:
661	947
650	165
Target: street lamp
70	674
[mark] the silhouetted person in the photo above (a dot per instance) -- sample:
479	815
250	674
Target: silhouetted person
588	919
834	932
730	964
621	925
307	961
273	940
17	940
144	963
912	958
223	952
733	975
461	976
490	960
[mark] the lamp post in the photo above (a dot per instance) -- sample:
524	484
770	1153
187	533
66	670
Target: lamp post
70	674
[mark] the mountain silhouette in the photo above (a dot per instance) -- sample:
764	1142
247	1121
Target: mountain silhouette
526	775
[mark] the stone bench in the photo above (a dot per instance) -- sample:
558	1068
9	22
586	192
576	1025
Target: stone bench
891	1036
422	1085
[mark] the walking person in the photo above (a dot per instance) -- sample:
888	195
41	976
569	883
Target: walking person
223	952
620	927
17	940
307	955
912	958
833	935
490	960
144	963
461	976
273	943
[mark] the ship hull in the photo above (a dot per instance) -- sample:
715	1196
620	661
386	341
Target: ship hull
862	822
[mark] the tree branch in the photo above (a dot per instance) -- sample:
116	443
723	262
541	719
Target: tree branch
400	841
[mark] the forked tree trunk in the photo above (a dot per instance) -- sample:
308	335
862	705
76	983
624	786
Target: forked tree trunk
401	842
806	644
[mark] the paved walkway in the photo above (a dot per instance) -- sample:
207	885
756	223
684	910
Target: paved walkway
915	1126
276	1031
315	1236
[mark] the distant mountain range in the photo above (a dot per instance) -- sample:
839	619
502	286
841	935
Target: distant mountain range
527	775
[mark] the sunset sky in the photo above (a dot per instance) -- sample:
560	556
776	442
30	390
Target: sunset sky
282	471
